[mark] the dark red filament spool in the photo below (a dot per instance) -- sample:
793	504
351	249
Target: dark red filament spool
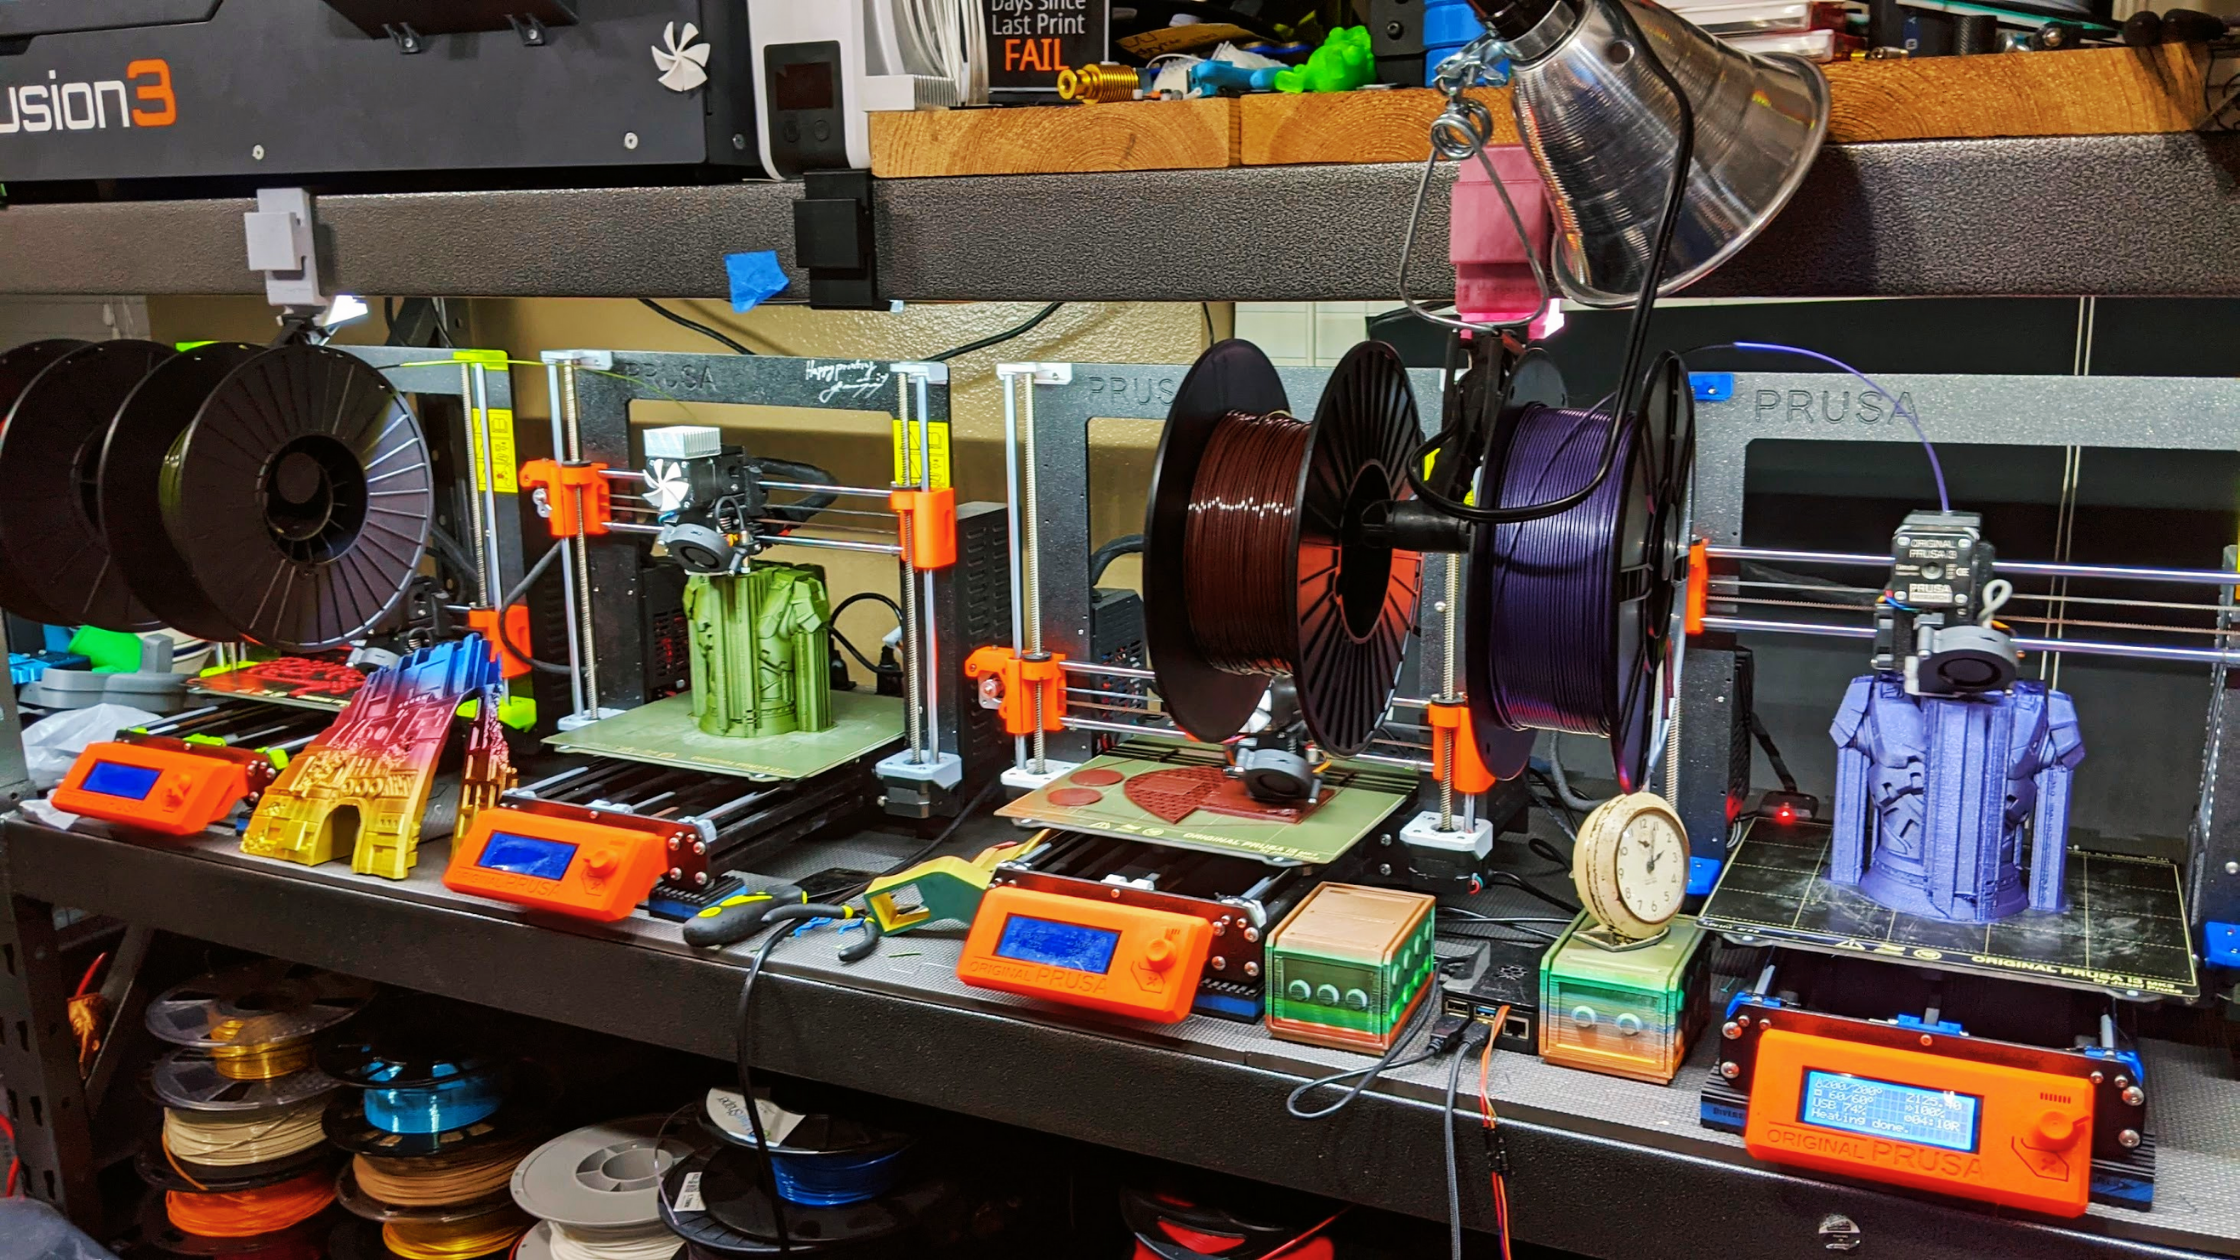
1241	544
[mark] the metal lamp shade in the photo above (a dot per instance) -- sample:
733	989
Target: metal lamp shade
1603	131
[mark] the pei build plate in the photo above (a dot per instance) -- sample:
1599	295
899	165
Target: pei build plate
2124	932
1355	800
663	734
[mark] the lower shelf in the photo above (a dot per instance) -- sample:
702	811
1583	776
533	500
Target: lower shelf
1601	1166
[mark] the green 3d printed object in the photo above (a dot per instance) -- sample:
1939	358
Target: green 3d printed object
760	643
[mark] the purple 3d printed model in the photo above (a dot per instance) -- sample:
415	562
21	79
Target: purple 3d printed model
1932	793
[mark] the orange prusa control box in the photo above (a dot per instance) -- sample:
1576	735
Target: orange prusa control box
593	865
162	784
1989	1131
1125	959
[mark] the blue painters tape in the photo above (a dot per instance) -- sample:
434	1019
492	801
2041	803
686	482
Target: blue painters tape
1712	386
1703	875
755	278
2221	942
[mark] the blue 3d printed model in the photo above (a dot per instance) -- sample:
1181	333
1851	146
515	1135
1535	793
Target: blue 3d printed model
1933	794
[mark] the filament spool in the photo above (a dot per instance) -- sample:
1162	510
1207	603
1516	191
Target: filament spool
301	1241
413	1187
304	474
191	1080
596	1192
55	563
243	1140
1253	567
146	428
480	1235
1569	618
256	1005
734	1216
248	1214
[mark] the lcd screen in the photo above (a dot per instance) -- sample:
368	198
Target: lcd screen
1885	1109
1057	944
526	855
132	783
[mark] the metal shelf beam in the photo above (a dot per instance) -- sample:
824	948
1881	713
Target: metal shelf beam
1604	1168
2064	215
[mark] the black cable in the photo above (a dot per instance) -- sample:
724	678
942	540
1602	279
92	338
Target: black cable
843	641
982	344
1387	1062
1206	309
451	551
513	597
926	849
1764	737
1637	330
1102	558
1514	880
811	503
779	918
693	324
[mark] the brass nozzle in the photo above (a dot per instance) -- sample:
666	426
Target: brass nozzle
1098	83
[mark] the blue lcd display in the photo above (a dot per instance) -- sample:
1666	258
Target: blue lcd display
1886	1109
526	855
131	783
1055	944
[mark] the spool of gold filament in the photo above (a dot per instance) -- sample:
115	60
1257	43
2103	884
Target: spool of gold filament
262	1060
456	1240
440	1180
1095	84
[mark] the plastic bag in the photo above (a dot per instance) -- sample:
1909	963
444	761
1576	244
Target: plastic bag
51	744
30	1230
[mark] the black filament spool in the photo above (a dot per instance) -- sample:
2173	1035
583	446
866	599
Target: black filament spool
55	562
301	498
1356	599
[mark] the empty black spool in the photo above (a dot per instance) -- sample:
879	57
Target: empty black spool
147	427
1356	600
53	554
301	498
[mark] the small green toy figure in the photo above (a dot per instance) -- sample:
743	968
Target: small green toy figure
1342	64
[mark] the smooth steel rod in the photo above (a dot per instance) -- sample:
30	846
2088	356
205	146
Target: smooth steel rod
2022	568
868	492
2072	647
1108	671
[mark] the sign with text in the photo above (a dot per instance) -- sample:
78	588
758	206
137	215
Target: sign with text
1029	41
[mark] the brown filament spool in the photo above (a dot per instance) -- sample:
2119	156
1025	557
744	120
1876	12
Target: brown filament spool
1244	507
1254	563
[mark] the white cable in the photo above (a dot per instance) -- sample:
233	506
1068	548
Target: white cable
1996	593
651	1241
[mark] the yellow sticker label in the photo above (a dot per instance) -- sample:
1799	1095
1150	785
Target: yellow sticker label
906	456
502	456
488	358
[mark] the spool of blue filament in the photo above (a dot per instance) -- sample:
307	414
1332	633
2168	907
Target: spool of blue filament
835	1178
458	1095
424	1084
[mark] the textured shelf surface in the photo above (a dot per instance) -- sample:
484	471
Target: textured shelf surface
2125	214
1604	1167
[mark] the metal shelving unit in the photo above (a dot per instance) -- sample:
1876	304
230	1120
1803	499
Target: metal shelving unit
1602	1166
1898	219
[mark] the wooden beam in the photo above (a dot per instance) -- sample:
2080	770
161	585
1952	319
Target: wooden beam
1392	125
2086	92
2091	91
1056	139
